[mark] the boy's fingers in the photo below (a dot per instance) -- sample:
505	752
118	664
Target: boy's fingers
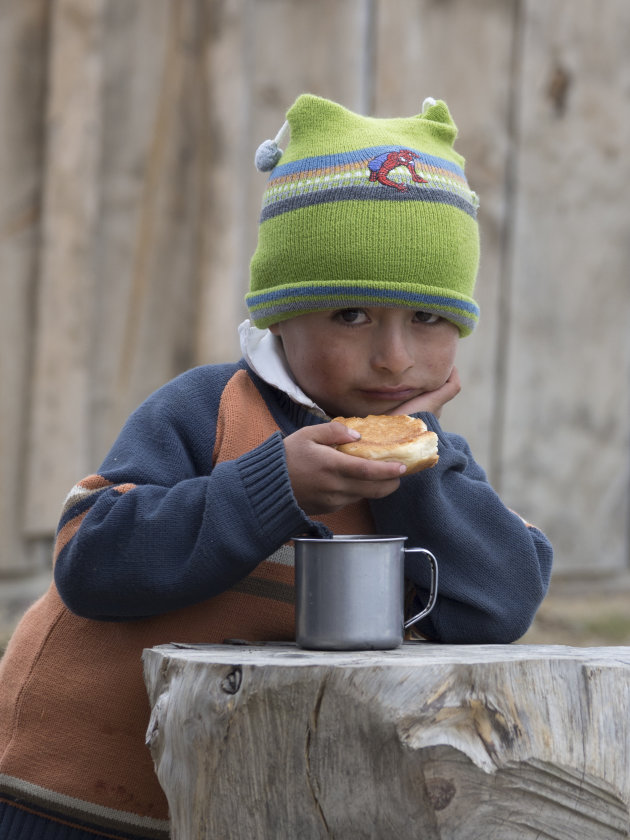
361	469
432	401
364	469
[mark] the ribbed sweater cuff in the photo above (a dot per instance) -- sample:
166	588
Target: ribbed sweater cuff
264	474
19	824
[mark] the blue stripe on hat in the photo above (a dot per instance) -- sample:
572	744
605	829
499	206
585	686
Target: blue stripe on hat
357	291
359	156
293	308
370	192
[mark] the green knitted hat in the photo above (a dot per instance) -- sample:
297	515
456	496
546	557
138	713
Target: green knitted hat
361	211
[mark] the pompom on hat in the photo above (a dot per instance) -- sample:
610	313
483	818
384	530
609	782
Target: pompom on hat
364	211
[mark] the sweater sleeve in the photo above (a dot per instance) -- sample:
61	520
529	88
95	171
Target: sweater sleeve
159	527
494	568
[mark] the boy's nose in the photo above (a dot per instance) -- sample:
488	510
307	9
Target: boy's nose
390	352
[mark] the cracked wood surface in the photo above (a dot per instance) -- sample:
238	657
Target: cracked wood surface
448	742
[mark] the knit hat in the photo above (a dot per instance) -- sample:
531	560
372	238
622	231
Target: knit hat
363	211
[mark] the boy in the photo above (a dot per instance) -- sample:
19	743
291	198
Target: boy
361	287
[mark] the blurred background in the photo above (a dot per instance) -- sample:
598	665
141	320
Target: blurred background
128	215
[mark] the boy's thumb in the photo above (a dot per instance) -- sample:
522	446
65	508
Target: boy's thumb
333	433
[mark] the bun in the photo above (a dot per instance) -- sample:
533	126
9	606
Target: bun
392	438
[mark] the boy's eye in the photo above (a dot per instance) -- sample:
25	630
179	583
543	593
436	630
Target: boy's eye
351	316
426	317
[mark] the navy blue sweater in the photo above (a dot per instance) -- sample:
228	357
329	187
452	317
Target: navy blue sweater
189	530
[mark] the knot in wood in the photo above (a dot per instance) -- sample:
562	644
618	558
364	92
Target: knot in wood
231	683
440	791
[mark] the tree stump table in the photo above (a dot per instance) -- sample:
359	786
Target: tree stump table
270	742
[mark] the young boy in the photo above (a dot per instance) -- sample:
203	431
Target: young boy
361	287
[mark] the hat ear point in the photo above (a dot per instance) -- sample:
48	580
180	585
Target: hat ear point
437	111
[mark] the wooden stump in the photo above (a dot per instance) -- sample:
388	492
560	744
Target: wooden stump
427	741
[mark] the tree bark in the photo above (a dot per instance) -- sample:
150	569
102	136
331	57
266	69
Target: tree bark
430	741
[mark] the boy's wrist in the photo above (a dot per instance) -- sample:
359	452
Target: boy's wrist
263	471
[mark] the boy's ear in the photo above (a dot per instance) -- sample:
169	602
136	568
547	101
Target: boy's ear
275	329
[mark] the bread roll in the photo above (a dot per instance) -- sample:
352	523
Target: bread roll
392	438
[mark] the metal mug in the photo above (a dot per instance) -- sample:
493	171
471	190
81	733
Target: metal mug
349	592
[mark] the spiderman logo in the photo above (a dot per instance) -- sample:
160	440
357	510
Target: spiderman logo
383	164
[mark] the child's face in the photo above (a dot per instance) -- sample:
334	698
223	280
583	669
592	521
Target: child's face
359	361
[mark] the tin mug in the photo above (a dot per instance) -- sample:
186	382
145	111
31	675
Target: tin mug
349	592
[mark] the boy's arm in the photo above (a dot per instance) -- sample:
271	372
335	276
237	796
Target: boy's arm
494	568
159	528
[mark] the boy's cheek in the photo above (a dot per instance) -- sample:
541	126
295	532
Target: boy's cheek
439	370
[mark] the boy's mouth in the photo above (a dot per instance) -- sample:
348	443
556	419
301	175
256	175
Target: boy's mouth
396	393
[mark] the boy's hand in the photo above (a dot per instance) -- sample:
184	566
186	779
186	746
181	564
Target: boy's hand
432	401
325	480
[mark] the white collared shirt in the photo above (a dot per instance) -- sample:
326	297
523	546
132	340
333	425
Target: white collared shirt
263	352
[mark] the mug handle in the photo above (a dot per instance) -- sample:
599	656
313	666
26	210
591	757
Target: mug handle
434	583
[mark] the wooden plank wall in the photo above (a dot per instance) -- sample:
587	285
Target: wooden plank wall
23	66
129	200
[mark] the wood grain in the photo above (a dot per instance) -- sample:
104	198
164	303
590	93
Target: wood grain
60	375
567	428
23	70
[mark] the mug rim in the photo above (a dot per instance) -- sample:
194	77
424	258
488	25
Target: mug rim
357	538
